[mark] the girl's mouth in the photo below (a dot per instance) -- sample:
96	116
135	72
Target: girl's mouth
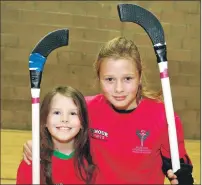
119	98
64	128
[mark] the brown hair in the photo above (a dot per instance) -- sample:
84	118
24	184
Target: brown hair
82	142
121	47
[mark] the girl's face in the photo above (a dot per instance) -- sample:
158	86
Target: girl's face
119	81
63	120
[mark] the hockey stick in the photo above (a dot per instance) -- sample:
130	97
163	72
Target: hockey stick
144	18
37	60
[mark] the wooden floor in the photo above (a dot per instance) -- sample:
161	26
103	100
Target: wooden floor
11	154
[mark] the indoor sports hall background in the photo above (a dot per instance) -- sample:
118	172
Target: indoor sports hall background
91	24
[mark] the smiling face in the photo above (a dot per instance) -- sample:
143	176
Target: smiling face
119	82
63	120
119	69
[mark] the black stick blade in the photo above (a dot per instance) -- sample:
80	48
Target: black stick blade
52	41
144	18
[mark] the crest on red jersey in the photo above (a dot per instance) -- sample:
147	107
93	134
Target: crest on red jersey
142	134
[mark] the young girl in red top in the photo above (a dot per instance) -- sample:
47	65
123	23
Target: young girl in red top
128	127
65	149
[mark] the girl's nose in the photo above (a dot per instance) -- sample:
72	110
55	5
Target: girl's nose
64	121
119	87
64	118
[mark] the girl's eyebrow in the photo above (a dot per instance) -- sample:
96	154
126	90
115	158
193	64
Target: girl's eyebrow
128	74
108	75
60	108
75	109
54	108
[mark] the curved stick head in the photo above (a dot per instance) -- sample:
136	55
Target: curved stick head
144	18
52	41
41	51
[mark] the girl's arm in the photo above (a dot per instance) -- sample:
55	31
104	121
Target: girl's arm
184	175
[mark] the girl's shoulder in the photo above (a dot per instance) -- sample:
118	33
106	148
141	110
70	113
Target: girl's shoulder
153	104
156	109
153	109
94	100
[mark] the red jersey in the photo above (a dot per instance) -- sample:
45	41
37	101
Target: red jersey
126	146
63	171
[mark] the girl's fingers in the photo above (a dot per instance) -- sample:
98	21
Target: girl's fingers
27	151
172	177
174	181
25	159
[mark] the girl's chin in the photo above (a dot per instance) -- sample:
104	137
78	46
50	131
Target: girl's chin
123	106
63	140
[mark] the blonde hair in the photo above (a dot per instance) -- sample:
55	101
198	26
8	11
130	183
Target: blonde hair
121	47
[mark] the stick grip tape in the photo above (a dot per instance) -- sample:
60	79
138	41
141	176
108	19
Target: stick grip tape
35	78
161	53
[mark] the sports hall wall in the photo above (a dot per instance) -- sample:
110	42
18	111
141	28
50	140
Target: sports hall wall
24	23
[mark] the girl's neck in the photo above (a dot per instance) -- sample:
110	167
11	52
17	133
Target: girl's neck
65	148
123	110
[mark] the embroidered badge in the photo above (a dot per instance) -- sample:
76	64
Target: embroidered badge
142	135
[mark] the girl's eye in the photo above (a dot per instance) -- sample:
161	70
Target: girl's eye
56	112
128	78
109	79
73	113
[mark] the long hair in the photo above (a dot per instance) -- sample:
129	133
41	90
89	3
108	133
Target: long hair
122	48
82	142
